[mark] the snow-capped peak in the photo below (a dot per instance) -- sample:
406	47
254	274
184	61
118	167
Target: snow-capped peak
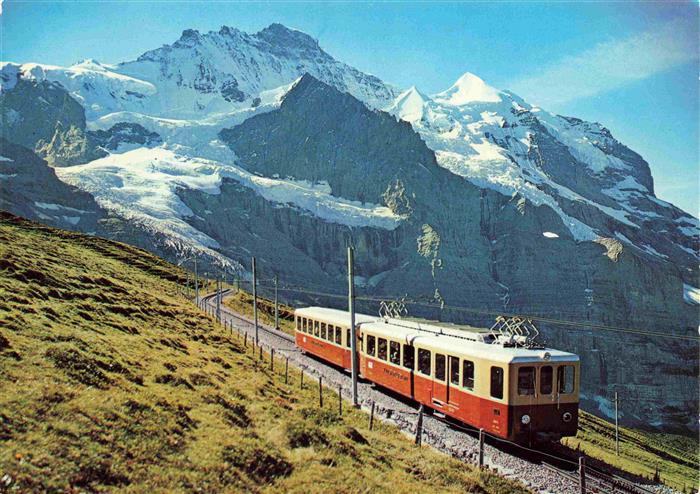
469	88
409	105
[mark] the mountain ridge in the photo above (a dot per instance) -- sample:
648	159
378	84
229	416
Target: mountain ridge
541	213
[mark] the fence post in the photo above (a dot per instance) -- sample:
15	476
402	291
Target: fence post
340	399
371	417
245	340
272	360
320	391
301	381
481	448
419	426
582	474
286	371
260	355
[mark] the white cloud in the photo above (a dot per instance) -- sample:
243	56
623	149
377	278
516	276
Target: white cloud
612	64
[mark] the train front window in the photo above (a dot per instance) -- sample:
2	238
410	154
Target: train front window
315	328
370	345
546	376
424	361
395	352
439	366
526	381
454	370
381	348
565	379
303	324
348	342
338	335
497	382
409	356
468	374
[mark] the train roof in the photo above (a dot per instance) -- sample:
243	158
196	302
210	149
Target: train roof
445	337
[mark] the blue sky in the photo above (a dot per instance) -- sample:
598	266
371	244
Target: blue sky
633	66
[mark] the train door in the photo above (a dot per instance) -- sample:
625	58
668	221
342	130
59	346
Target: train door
440	380
452	380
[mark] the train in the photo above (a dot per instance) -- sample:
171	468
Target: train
491	380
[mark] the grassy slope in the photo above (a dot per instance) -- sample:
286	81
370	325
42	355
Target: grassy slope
113	383
641	453
242	303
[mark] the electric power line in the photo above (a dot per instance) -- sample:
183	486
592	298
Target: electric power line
583	325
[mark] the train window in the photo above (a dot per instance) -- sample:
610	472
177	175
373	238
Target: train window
409	356
395	352
546	376
303	324
315	328
526	381
348	339
497	382
338	335
370	345
565	379
439	366
323	330
468	374
381	348
424	361
454	370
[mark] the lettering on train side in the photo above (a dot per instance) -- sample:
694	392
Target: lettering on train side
395	374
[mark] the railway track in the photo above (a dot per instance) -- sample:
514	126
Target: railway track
208	301
597	482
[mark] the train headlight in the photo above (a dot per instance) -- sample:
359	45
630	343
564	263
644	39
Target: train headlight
525	419
567	417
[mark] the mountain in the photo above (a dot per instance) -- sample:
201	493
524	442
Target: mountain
235	144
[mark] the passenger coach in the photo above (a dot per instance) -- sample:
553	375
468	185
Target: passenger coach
483	379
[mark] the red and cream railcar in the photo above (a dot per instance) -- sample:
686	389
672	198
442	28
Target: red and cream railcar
519	394
326	333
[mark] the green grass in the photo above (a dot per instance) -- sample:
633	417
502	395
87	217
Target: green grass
242	303
641	452
112	382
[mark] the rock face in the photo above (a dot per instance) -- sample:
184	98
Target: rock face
42	116
30	188
470	202
124	134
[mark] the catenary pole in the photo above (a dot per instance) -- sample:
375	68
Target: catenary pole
218	299
255	300
617	430
277	309
353	335
196	282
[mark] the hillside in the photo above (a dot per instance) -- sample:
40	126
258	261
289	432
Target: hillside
673	458
112	381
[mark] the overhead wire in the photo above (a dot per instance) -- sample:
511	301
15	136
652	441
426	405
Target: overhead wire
584	326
